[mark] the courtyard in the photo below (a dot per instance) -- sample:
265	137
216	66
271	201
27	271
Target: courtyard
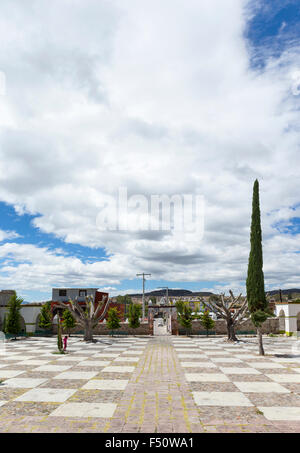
160	384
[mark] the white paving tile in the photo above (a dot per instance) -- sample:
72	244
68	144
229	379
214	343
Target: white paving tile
52	368
34	362
226	360
118	369
206	377
295	378
265	365
132	352
93	363
76	375
51	395
281	413
261	387
106	384
23	382
67	358
221	399
197	364
127	359
9	373
101	410
235	370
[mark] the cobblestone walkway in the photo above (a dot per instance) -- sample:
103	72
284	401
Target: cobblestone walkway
157	398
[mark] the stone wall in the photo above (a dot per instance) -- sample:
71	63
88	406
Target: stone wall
270	326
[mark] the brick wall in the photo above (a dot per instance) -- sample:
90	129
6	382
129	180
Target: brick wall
101	329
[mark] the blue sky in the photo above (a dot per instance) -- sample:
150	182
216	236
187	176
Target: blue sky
200	102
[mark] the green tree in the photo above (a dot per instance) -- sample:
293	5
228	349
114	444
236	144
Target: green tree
134	314
113	319
59	337
13	317
179	304
126	300
68	321
4	324
185	317
45	321
207	321
256	297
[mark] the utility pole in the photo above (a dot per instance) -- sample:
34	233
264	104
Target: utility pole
143	299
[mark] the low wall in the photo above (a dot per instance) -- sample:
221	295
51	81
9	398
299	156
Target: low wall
101	329
270	326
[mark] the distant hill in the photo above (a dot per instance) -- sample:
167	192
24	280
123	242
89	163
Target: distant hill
173	293
284	292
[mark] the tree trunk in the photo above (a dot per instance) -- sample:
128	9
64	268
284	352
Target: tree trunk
260	342
230	331
88	332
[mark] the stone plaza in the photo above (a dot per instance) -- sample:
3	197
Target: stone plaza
163	384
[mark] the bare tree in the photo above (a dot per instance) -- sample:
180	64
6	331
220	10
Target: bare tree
223	307
87	316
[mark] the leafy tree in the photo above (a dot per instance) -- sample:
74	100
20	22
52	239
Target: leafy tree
126	300
13	317
179	304
135	312
257	302
207	321
113	319
59	337
68	321
45	321
185	317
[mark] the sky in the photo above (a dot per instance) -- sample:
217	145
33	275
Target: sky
172	98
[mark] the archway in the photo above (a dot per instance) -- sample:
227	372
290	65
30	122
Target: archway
282	321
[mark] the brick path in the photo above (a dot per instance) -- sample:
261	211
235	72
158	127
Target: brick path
157	398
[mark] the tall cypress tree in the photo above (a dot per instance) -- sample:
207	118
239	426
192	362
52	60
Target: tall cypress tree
257	302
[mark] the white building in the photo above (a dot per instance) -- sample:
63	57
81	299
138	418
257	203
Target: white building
289	316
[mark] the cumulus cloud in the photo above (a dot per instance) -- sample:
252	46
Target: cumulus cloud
158	97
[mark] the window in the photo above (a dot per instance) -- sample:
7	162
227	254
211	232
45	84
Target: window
82	293
62	293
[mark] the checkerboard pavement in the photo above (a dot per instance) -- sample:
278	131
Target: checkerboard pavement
45	392
236	390
150	384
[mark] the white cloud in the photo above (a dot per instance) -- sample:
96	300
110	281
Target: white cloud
159	98
5	235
